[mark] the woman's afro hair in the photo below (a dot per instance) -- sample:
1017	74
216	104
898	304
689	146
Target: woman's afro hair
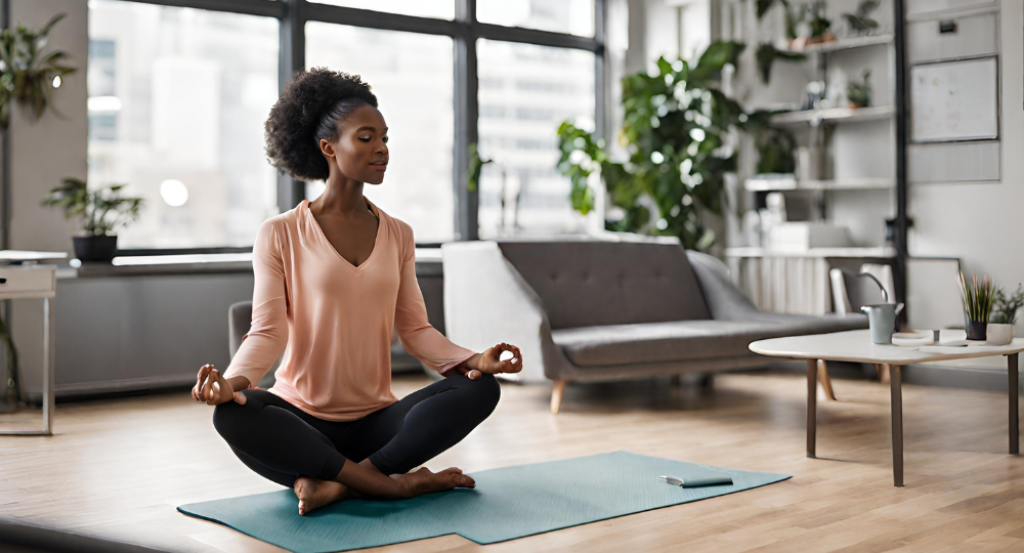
300	118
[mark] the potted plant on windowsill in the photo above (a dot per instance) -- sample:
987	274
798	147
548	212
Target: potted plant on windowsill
1004	315
977	301
102	210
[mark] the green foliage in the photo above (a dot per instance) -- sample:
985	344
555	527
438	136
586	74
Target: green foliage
26	72
767	54
860	93
675	129
977	298
859	22
476	166
103	210
1004	310
815	13
774	145
793	16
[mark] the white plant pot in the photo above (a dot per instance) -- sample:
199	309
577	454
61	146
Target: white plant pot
998	334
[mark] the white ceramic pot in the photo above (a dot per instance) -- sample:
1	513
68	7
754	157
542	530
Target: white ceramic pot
998	334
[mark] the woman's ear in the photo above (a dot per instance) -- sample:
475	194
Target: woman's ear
326	148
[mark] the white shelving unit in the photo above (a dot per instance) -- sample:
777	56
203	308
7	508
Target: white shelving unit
857	192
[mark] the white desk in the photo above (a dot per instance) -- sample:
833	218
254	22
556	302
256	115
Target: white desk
856	346
35	281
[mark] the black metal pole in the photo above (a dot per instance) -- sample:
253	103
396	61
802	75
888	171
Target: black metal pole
902	222
5	171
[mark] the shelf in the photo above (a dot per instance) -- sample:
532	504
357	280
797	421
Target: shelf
833	115
847	252
760	185
842	44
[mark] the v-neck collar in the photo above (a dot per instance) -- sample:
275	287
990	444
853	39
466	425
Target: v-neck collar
320	232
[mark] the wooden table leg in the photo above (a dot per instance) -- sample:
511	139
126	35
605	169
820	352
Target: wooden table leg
1011	369
812	405
897	424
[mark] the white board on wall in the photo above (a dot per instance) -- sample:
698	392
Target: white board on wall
955	100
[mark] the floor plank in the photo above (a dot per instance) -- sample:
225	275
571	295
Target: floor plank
119	467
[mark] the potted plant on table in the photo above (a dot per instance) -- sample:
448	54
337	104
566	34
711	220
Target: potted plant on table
103	211
1004	315
977	300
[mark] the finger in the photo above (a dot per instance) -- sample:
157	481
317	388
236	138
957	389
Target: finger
475	374
239	398
197	390
208	388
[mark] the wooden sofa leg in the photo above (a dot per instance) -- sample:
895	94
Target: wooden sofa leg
556	396
826	382
883	372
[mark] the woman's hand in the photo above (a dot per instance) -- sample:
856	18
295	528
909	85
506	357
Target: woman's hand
490	362
212	388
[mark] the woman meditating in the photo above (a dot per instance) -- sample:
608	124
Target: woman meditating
332	278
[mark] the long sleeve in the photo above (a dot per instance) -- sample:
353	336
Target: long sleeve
268	334
418	337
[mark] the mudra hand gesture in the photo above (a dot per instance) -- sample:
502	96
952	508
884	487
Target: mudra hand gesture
490	362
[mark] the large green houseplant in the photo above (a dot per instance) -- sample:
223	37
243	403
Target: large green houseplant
676	130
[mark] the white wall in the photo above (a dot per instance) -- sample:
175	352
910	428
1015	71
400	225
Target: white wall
982	222
42	153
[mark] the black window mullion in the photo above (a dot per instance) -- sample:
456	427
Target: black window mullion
466	124
291	60
600	13
534	36
267	8
384	21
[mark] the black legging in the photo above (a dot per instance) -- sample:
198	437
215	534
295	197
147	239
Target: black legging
281	442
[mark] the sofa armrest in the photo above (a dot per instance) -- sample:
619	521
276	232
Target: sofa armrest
487	301
724	300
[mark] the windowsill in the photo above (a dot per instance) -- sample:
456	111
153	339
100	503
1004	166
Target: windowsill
428	263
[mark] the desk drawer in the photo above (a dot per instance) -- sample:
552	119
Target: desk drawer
34	279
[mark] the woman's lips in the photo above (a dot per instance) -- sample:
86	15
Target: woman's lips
380	166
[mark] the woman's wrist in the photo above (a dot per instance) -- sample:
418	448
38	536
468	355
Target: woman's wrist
239	383
473	362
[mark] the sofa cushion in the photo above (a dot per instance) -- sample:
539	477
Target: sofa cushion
590	283
687	340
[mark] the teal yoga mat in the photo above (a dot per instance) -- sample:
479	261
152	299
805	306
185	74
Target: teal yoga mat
507	503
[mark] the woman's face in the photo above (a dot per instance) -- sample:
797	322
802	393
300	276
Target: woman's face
361	151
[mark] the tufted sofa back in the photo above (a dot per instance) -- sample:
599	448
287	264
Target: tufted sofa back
592	283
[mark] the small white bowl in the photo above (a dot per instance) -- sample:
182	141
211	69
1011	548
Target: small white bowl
912	339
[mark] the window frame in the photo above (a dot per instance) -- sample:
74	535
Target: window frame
464	30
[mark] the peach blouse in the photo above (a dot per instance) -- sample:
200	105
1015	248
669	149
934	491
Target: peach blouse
334	320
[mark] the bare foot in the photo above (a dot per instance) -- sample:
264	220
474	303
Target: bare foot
314	493
424	481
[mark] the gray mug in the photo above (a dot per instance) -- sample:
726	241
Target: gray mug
882	320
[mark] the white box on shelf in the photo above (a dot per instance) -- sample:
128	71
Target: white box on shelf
802	236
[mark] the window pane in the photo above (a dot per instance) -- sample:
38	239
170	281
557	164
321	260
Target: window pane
177	101
412	76
560	16
442	9
526	91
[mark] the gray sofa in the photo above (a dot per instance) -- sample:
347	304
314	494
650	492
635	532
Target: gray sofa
590	310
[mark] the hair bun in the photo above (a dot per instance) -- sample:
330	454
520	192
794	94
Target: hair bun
290	130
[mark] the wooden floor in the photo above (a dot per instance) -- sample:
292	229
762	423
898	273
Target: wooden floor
118	468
